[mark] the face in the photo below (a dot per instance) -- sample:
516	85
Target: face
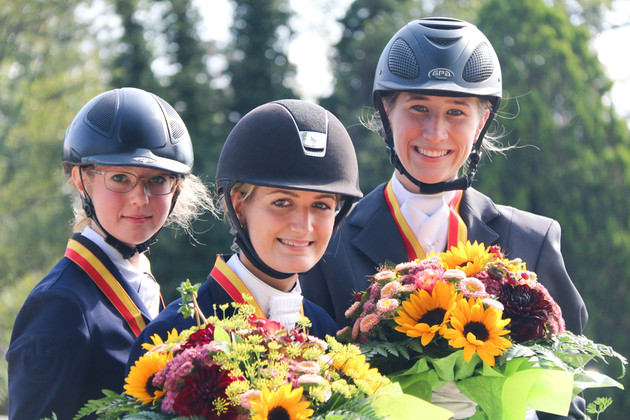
433	135
289	229
131	217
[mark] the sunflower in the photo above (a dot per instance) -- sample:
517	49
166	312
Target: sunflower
477	329
139	382
466	257
424	314
285	403
157	340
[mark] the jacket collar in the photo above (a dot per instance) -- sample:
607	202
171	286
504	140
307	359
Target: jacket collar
378	236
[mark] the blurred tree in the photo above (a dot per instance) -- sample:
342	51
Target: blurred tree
132	58
258	67
48	69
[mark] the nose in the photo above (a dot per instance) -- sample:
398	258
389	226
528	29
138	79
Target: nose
302	220
434	128
139	193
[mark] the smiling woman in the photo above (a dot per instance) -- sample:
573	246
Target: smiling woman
287	175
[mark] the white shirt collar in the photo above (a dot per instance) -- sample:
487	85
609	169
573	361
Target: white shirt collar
277	305
426	214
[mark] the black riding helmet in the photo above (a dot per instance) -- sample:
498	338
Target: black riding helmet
442	57
128	127
288	144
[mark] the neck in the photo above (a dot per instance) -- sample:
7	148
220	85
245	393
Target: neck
284	285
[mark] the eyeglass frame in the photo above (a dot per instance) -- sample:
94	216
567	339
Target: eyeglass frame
137	179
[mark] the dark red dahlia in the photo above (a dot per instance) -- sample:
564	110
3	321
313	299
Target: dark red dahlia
528	309
200	337
200	390
493	286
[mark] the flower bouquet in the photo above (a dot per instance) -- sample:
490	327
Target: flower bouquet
243	367
476	333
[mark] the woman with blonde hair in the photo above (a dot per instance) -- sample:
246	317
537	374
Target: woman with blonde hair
128	156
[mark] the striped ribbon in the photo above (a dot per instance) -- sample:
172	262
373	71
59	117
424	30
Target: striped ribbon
108	284
234	286
457	230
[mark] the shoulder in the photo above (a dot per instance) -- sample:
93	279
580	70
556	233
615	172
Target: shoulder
322	323
478	205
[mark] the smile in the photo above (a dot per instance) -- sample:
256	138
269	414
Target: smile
432	153
294	243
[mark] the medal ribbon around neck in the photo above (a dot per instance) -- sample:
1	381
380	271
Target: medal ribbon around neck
234	286
108	284
457	230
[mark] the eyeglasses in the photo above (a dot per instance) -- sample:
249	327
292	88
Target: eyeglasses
123	182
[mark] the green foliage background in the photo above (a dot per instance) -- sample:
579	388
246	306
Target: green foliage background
572	162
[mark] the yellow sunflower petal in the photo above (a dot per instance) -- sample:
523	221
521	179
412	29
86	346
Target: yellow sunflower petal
477	329
285	401
138	383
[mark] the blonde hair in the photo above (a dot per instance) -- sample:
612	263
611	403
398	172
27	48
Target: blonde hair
193	200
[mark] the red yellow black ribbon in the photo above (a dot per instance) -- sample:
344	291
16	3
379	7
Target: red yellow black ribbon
108	284
234	286
457	230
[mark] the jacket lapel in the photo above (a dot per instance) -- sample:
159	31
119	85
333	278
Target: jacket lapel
378	236
477	211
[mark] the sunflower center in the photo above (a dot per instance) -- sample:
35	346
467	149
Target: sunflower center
433	317
478	329
150	388
278	413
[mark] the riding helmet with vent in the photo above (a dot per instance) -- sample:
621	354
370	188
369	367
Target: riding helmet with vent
127	127
289	144
442	57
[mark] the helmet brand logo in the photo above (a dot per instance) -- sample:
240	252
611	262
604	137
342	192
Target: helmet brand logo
142	159
440	74
313	143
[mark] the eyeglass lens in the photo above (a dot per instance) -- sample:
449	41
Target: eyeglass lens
123	182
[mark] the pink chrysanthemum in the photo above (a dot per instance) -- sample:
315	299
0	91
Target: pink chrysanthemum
308	367
407	288
406	266
352	308
368	322
493	303
390	289
472	288
426	279
454	274
355	329
384	275
246	398
385	305
310	378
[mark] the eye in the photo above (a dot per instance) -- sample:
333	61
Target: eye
419	108
120	178
455	112
158	180
322	205
282	202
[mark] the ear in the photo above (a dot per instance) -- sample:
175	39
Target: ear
482	122
239	206
76	179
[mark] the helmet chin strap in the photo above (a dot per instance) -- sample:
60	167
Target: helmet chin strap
460	183
125	250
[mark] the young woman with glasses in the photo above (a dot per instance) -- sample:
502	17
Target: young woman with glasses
128	156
